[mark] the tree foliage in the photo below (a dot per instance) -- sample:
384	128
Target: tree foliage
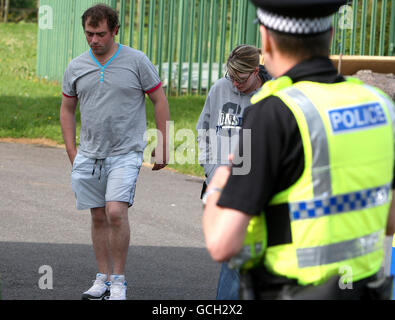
23	4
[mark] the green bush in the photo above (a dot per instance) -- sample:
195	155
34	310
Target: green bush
23	4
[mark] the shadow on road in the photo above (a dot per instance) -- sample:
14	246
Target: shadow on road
164	273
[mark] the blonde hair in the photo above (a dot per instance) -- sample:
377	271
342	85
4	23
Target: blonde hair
243	59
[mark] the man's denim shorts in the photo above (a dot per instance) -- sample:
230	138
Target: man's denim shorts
97	181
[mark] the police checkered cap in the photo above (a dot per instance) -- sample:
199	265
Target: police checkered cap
293	25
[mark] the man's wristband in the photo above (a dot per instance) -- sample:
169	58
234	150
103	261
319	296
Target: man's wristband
210	192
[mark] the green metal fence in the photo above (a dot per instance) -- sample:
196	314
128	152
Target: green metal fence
365	27
189	40
60	35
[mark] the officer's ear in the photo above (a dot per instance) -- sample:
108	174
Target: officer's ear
266	44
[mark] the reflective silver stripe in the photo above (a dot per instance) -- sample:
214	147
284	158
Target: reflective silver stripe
238	260
244	255
321	176
391	110
390	105
317	256
341	203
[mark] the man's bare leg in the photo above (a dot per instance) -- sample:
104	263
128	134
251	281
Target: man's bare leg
117	215
101	240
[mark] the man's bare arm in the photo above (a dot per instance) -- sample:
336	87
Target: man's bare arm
162	115
67	123
224	228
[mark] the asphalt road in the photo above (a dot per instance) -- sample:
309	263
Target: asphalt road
39	226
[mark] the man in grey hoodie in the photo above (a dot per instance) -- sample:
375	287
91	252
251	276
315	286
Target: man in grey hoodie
218	128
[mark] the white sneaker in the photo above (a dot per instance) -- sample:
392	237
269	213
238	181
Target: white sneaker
118	287
99	290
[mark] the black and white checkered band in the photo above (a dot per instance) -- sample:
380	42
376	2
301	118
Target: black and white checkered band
294	25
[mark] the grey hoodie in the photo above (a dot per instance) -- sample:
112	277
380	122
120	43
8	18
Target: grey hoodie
220	121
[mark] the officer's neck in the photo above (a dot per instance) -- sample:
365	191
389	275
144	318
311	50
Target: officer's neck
281	63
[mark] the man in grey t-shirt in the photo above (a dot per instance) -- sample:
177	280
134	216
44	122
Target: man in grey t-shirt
110	82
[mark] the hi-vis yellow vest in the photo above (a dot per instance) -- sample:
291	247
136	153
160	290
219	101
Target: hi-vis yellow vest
339	206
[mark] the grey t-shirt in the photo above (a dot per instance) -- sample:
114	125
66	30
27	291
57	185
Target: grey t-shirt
112	100
220	121
219	124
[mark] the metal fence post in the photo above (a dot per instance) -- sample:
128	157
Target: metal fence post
170	52
241	17
373	28
141	24
200	45
159	43
151	21
181	48
354	26
122	22
190	50
391	47
213	41
250	26
222	37
232	25
206	29
363	27
131	22
382	27
334	35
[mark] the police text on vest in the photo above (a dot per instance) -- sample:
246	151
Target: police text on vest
360	117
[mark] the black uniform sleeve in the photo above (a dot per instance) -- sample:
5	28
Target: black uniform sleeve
276	157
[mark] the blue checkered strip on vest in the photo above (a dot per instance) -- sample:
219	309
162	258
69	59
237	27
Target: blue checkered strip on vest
340	203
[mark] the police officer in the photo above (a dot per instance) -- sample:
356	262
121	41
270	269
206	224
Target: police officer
322	165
